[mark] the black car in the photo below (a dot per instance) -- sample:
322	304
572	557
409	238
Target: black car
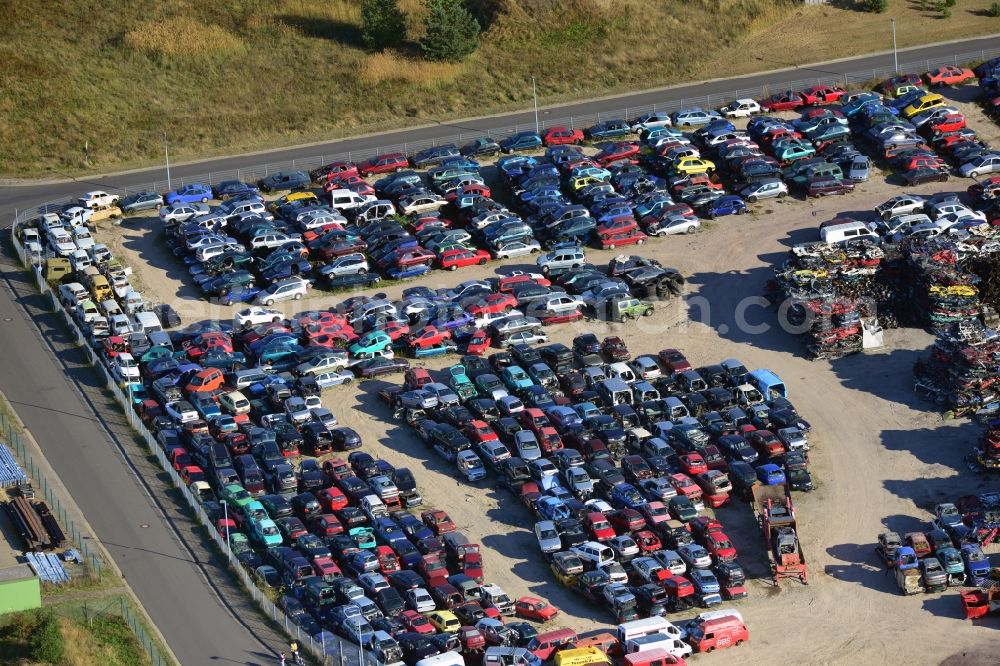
345	439
310	474
390	601
484	409
227	189
431	156
587	348
481	146
277	506
376	367
353	280
284	180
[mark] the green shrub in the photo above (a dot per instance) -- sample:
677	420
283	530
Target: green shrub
949	3
876	6
995	10
382	23
47	642
945	13
451	32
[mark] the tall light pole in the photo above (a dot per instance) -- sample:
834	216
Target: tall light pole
534	94
166	155
895	58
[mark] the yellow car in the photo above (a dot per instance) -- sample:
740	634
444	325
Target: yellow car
445	621
693	165
582	181
288	198
923	104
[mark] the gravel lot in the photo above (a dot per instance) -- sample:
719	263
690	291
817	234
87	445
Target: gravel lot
880	457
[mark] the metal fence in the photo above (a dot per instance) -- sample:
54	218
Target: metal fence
329	649
847	79
9	430
113	609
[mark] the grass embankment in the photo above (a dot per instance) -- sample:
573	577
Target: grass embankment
48	637
243	74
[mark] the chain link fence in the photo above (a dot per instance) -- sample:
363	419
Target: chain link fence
326	647
113	609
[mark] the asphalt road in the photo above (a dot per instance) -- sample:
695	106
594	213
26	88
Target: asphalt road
59	401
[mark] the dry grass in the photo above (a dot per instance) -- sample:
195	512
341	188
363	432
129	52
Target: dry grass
389	66
237	75
180	36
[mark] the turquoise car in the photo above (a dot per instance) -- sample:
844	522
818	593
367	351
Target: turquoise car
156	353
364	537
265	532
515	377
792	151
441	175
585	410
369	344
460	383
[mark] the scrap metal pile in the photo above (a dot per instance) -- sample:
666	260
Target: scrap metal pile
986	454
829	291
942	289
961	372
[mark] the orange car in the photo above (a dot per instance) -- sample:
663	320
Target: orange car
948	76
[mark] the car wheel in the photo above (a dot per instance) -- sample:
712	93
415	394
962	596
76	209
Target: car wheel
275	320
752	199
943	178
611	247
640	241
691	229
742	211
647	312
269	302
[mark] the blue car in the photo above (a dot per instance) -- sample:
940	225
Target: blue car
521	141
859	102
771	475
240	294
551	508
407	553
413	527
228	189
193	193
608	129
728	204
626	496
388	532
407	273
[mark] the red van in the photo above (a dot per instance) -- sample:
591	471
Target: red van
718	632
543	645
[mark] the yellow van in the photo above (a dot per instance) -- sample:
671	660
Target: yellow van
100	288
587	656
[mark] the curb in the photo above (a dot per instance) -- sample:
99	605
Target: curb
54	479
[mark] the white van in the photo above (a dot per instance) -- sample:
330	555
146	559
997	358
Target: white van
110	308
148	322
446	659
373	507
594	553
495	596
674	646
648	626
837	234
345	200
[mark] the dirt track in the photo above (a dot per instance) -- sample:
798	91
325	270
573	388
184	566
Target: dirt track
880	457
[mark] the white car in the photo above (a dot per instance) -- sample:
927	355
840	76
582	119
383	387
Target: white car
488	318
61	242
767	189
182	212
955	210
421	203
181	411
272	239
980	166
420	600
902	204
100	253
124	368
254	315
331	361
83	238
283	290
653	120
470	465
329	378
518	248
599	505
672	561
98	199
77	216
348	264
673	225
741	108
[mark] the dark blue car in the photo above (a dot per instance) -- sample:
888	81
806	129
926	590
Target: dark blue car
240	294
228	189
728	204
521	141
608	129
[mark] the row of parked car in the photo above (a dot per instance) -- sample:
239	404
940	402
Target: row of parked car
616	458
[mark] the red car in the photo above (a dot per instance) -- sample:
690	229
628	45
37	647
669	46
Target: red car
492	304
620	238
627	520
429	222
692	463
472	566
948	76
386	163
350	181
332	170
950	123
558	136
616	226
327	569
534	608
472	188
339	247
822	95
332	498
616	152
599	527
507	284
549	440
387	561
327	525
720	547
647	541
480	431
416	622
478	343
674	360
438	521
821	187
428	336
458	257
412	257
786	101
337	469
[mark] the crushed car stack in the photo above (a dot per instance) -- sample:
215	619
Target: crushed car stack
961	371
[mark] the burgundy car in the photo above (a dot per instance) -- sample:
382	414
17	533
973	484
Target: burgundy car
386	163
821	187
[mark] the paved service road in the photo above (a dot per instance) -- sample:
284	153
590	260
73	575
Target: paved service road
96	457
29	195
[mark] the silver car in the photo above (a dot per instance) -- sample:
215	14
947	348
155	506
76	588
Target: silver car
767	189
517	248
348	264
547	536
524	337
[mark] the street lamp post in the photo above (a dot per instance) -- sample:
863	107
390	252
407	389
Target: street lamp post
895	57
166	155
534	94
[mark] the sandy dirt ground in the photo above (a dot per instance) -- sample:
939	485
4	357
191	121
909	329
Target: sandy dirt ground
881	458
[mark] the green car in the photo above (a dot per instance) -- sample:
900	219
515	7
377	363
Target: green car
156	353
236	497
628	308
460	383
369	344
